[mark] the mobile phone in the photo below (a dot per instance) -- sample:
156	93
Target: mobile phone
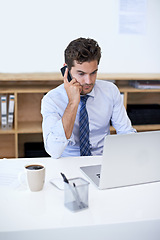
63	69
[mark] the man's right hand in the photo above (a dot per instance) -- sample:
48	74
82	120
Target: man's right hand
73	89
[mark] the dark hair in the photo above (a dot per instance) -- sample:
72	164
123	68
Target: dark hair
82	50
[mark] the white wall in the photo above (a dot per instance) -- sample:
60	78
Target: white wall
34	34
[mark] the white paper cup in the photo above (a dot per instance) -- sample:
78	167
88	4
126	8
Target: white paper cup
35	176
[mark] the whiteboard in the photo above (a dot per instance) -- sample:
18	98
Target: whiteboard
34	34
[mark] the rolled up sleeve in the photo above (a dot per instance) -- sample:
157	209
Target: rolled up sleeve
54	137
120	119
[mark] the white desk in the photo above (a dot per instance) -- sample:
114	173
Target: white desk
122	213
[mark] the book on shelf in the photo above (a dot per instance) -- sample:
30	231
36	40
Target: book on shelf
10	111
7	111
4	112
145	84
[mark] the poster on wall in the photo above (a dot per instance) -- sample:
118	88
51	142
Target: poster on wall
132	16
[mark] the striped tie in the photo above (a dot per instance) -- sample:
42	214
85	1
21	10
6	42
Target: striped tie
84	129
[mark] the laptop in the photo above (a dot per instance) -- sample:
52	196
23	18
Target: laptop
127	160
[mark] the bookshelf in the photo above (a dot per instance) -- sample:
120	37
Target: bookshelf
29	89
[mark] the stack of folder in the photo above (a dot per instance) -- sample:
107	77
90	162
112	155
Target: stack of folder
145	84
7	111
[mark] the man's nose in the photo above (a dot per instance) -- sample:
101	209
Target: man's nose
88	79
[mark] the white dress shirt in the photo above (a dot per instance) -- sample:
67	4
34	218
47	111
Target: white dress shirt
104	104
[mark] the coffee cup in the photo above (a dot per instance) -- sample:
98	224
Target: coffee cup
35	176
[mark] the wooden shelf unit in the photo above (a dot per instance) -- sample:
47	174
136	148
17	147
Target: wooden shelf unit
29	89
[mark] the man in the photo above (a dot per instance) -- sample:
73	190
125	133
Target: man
61	107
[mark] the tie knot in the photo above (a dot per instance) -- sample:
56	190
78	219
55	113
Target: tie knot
84	99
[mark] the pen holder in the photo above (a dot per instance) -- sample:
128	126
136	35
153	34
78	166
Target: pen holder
76	194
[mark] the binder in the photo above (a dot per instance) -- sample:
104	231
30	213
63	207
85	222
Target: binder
10	111
145	84
4	112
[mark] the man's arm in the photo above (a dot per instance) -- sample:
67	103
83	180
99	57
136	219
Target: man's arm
73	90
57	128
120	119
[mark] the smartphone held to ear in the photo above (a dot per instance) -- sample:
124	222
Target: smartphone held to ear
69	77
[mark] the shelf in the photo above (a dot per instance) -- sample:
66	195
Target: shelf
141	128
56	76
26	89
29	88
148	127
29	127
30	76
7	131
129	89
24	127
129	76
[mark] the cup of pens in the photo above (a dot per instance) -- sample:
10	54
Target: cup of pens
76	194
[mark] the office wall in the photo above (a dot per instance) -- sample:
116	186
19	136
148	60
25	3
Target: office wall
34	34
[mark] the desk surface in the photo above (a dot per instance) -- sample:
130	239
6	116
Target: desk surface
23	210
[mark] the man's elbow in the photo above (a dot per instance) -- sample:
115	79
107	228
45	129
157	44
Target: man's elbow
53	153
54	149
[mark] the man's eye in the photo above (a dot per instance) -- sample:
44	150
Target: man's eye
81	74
93	73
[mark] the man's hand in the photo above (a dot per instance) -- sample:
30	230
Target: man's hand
73	89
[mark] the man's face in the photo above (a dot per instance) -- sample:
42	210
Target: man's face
85	74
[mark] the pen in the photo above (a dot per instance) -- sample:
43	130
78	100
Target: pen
64	178
78	197
75	193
